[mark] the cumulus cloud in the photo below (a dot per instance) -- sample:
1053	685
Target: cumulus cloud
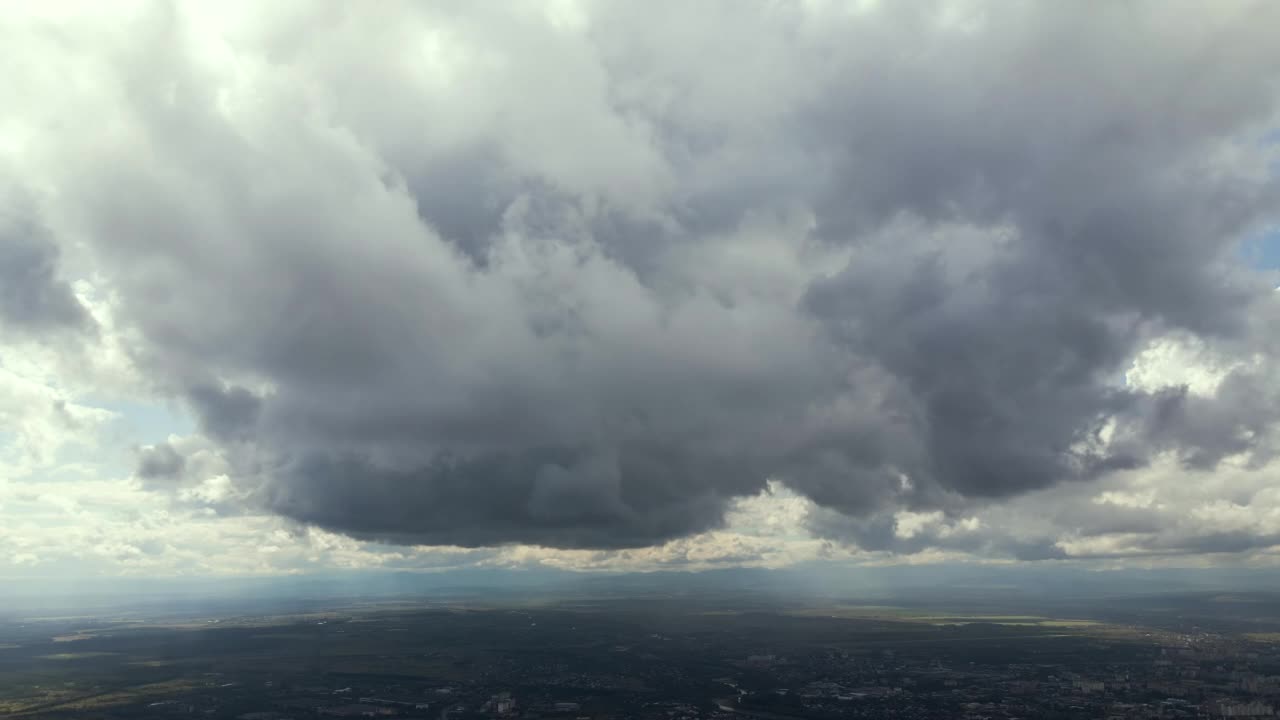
1163	512
587	277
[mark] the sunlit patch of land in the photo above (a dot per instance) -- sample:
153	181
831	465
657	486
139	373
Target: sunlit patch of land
67	701
1037	625
898	614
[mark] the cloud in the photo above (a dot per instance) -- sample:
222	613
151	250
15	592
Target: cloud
159	462
34	298
1163	511
40	423
454	276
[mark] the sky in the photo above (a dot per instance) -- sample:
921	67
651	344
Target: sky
309	287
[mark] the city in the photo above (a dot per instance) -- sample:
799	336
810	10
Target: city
667	658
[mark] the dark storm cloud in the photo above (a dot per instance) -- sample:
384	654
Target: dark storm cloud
33	297
552	496
462	195
225	413
1113	231
477	277
160	462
